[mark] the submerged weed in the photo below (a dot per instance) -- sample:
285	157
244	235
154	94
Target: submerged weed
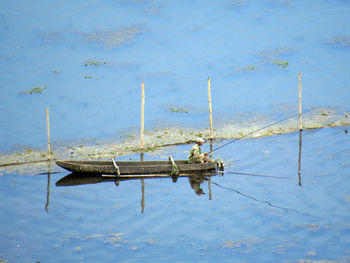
275	53
236	3
339	40
119	37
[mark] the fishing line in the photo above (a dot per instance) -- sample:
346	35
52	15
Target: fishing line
271	124
257	200
258	175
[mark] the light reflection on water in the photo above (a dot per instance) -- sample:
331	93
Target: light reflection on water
237	215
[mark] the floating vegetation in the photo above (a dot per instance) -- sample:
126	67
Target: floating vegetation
56	72
94	63
246	69
119	37
109	238
282	64
340	40
90	77
27	150
273	56
177	110
247	243
249	68
36	90
157	141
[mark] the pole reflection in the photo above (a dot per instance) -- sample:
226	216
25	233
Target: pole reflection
47	193
299	159
48	186
142	188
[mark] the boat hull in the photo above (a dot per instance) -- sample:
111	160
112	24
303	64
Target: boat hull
134	167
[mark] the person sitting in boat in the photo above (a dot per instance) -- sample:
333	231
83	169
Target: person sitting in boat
196	155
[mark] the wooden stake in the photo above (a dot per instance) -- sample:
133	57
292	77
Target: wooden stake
48	134
210	110
300	131
142	115
142	143
300	111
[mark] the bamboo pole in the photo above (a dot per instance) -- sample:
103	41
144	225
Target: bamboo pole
142	142
300	131
142	115
48	134
210	110
300	108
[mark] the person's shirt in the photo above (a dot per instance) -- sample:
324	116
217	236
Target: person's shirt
194	154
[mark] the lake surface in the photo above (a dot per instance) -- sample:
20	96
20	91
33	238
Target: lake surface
86	61
261	212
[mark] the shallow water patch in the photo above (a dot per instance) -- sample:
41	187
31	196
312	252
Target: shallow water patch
122	36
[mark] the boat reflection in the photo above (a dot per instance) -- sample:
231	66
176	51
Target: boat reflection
195	180
81	179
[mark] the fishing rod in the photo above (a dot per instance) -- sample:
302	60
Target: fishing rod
271	124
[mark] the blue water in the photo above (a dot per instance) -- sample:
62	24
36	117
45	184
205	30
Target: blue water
238	218
174	46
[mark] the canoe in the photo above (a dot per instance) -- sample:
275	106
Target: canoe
121	168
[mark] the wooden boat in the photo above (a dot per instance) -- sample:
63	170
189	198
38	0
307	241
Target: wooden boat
120	168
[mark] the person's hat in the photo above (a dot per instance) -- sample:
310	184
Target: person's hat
199	139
